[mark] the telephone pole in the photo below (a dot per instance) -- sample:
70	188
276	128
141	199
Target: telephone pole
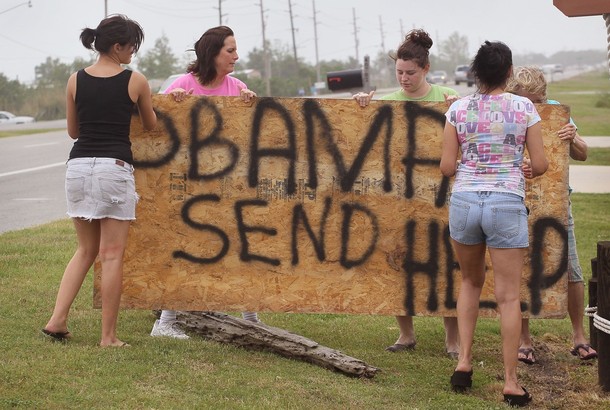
315	34
294	43
355	33
220	12
267	73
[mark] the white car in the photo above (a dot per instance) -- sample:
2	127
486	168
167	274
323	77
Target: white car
9	118
168	81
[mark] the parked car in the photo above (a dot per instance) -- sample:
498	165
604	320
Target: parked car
437	77
463	75
10	118
168	81
552	68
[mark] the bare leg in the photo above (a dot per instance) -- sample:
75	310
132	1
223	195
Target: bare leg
452	335
576	308
526	345
112	247
508	266
472	265
88	234
407	333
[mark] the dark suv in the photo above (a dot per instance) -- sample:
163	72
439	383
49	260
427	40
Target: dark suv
463	75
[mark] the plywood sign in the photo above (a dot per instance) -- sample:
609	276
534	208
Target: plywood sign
314	205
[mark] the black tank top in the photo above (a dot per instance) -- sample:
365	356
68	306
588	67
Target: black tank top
104	115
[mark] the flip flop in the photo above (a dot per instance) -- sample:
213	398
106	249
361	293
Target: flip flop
397	347
57	336
461	381
587	348
518	400
527	352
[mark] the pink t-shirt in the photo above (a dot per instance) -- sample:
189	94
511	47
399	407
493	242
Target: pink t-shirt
230	86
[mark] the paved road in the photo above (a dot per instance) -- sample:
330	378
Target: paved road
32	170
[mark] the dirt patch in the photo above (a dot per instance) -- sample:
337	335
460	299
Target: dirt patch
561	381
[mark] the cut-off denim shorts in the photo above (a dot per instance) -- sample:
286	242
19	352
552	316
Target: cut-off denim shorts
498	219
98	188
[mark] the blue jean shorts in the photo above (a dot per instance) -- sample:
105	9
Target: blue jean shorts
498	219
98	188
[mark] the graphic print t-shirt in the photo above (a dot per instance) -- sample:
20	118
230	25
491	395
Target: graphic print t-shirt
491	133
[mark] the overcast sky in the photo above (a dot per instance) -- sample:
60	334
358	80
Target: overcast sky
28	35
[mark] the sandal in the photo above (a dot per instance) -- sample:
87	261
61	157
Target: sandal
56	336
529	358
461	381
397	347
587	348
518	400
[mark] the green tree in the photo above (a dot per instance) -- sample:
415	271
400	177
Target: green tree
52	73
454	50
159	62
12	94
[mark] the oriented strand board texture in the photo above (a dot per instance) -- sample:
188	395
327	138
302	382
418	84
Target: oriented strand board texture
314	205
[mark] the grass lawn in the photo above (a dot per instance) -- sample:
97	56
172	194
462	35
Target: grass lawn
13	133
159	373
582	93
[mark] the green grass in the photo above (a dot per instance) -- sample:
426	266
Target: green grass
14	133
582	93
159	373
595	156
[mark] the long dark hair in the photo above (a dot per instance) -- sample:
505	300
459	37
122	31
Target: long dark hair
415	47
206	49
112	30
492	66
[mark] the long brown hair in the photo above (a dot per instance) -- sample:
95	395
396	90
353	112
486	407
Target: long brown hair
206	49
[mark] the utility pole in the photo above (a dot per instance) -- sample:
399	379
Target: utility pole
315	34
402	30
105	8
355	33
382	35
220	12
266	57
294	43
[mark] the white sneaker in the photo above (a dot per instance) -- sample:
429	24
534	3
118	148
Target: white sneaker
169	329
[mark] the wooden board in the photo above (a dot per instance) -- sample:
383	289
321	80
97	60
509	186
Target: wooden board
315	205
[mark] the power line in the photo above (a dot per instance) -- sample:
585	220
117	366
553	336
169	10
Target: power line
29	3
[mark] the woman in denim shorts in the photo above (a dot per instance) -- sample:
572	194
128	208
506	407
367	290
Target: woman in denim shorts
530	82
100	188
492	129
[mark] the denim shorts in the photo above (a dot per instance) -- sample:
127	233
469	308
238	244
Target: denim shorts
498	219
98	188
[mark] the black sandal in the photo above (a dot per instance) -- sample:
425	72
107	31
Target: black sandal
518	400
461	381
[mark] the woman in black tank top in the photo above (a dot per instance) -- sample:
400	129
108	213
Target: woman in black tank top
100	188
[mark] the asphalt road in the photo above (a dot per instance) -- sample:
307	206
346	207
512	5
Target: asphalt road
32	171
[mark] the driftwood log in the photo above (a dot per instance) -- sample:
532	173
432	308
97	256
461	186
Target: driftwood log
257	336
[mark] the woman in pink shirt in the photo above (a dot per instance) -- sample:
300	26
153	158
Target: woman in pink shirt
208	75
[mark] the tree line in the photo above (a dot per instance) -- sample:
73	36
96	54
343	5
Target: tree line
45	98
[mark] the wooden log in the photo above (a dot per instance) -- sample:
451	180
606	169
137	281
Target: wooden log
603	310
223	328
593	303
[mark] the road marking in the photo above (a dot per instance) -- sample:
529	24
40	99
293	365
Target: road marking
41	145
24	171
